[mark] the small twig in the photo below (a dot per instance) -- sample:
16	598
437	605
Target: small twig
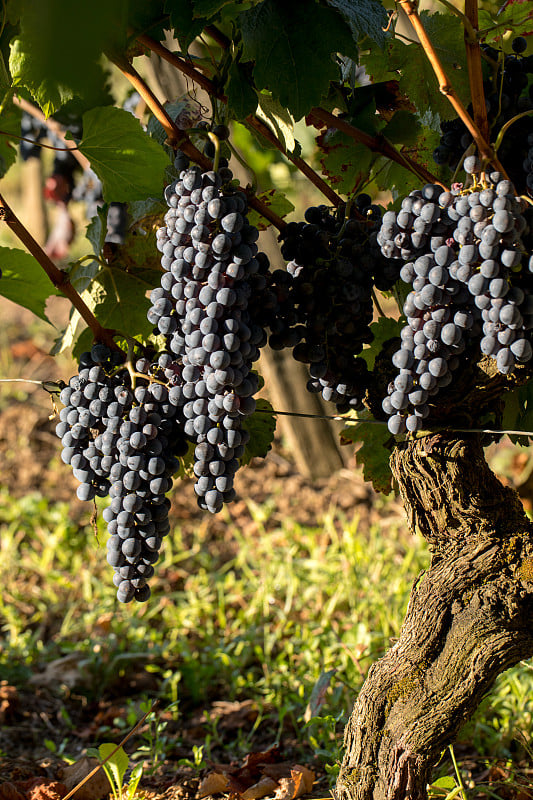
475	72
446	87
53	126
36	143
59	278
111	754
503	130
378	144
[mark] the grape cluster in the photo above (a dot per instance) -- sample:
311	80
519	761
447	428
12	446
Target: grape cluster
212	268
324	306
121	437
507	94
463	253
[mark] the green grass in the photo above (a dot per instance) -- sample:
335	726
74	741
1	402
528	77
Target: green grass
263	622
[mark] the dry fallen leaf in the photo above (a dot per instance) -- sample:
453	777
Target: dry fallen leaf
96	787
46	789
300	782
8	791
262	788
213	783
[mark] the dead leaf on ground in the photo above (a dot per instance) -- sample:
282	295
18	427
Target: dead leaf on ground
45	789
260	775
300	782
262	788
9	791
33	789
96	787
214	783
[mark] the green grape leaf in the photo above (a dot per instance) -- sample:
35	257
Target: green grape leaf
242	97
129	163
8	145
5	80
343	161
186	24
417	79
276	201
518	412
373	455
383	330
97	229
208	8
516	17
394	178
54	64
403	128
261	425
147	18
116	765
292	46
24	282
82	274
277	118
83	341
364	17
47	92
117	299
67	337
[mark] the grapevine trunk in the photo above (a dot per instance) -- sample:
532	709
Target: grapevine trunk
468	619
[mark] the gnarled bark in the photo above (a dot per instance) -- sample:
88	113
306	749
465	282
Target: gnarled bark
468	619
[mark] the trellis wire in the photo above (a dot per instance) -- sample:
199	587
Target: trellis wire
52	387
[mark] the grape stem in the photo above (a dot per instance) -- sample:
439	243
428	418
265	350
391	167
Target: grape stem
252	120
53	126
475	72
508	124
178	138
446	87
58	277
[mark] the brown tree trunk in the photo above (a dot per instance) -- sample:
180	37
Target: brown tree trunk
468	619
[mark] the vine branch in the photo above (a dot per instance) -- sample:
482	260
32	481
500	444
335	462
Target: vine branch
475	72
58	277
446	87
253	121
177	138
